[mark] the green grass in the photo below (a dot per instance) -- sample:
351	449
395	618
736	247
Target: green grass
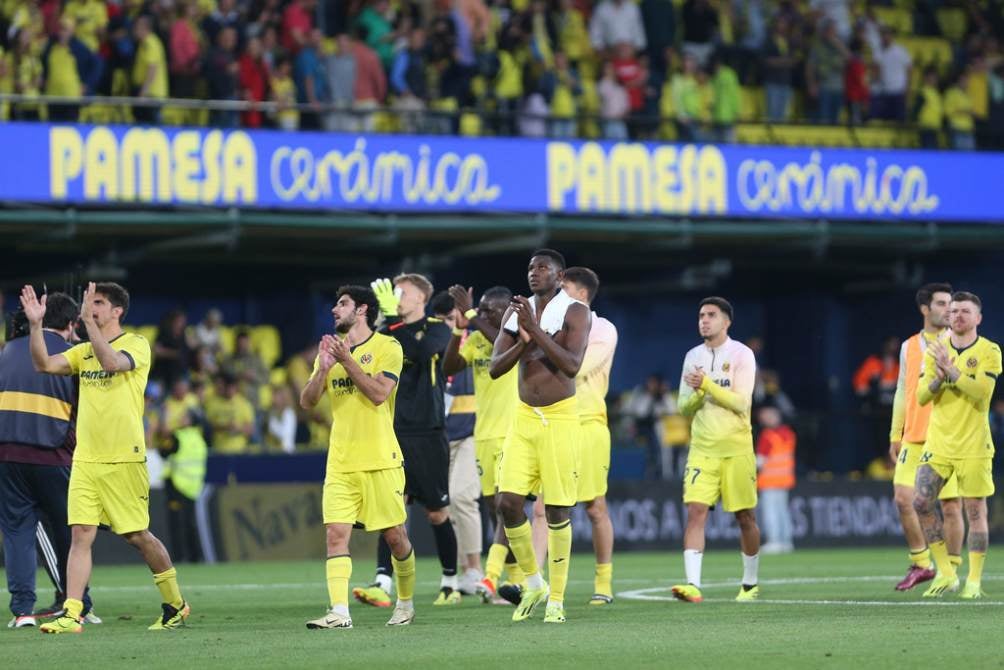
251	615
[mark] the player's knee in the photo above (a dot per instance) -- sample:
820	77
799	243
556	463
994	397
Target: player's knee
397	540
746	519
83	535
597	509
923	504
338	539
511	508
139	539
904	499
556	515
696	514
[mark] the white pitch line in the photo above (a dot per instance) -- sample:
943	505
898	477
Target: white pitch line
648	595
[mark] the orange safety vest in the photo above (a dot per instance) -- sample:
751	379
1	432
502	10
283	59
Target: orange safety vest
916	416
777	446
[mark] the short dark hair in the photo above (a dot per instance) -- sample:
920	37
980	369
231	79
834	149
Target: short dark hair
361	295
720	303
966	296
116	295
441	303
60	311
500	293
585	278
925	294
243	332
555	256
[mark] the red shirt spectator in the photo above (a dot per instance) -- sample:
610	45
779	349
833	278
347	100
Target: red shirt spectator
371	82
856	80
631	76
254	77
297	22
185	46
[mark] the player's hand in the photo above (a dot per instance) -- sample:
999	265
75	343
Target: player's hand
894	448
87	304
524	313
341	350
388	297
463	298
694	378
34	308
459	320
326	352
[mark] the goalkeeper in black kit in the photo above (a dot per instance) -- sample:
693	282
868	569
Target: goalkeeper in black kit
419	422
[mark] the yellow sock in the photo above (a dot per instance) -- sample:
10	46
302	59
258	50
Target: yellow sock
976	559
496	559
339	570
955	560
167	584
404	575
922	558
559	553
940	554
516	574
521	543
603	581
73	607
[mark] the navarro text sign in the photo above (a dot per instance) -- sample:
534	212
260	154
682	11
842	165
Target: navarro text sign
97	164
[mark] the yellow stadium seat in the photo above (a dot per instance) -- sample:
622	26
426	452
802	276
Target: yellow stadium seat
952	23
753	133
278	377
265	341
149	332
264	397
470	124
227	337
899	19
751	103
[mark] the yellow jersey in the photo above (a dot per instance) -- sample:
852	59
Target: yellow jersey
176	410
110	409
91	17
496	398
151	52
593	381
63	79
362	434
960	419
222	413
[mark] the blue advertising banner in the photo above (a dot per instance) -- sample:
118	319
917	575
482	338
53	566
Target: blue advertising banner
382	173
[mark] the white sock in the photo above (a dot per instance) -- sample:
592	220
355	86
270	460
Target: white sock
551	601
385	582
341	609
474	573
692	564
534	581
408	604
449	582
751	566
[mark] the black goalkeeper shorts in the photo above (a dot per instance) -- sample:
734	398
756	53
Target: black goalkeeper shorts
426	468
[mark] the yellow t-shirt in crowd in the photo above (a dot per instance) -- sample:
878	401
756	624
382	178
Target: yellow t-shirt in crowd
90	17
110	409
62	78
959	110
932	110
222	413
151	52
362	434
496	398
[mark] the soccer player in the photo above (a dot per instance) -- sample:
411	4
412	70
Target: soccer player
364	482
907	437
959	378
109	483
496	401
419	422
717	390
547	338
591	390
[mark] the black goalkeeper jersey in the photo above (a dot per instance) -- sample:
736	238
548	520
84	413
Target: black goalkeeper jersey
420	407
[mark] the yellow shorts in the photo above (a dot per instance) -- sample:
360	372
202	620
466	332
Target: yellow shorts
373	499
110	494
541	452
906	470
488	453
733	479
594	460
975	475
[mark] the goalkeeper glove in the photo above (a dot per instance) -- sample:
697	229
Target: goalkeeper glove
387	296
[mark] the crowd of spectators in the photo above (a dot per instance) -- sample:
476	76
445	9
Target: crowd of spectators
614	68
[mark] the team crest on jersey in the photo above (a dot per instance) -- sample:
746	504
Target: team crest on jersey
419	335
366	358
725	366
972	362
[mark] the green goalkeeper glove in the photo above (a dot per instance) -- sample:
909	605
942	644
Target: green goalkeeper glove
387	296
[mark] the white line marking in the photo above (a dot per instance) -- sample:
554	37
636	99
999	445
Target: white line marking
649	595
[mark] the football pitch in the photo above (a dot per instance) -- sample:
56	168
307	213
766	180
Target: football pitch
818	609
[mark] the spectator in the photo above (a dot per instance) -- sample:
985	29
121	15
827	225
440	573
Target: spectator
91	19
208	332
27	74
509	80
700	29
149	70
340	68
172	351
224	16
408	80
533	120
686	100
930	110
959	112
779	65
230	417
837	13
253	78
856	83
371	81
648	404
283	92
223	74
298	25
71	71
726	100
824	74
892	79
875	384
563	88
775	456
614	104
178	409
246	366
311	78
186	51
379	32
573	35
615	22
630	75
280	434
767	391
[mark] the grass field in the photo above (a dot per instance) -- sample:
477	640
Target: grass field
819	609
